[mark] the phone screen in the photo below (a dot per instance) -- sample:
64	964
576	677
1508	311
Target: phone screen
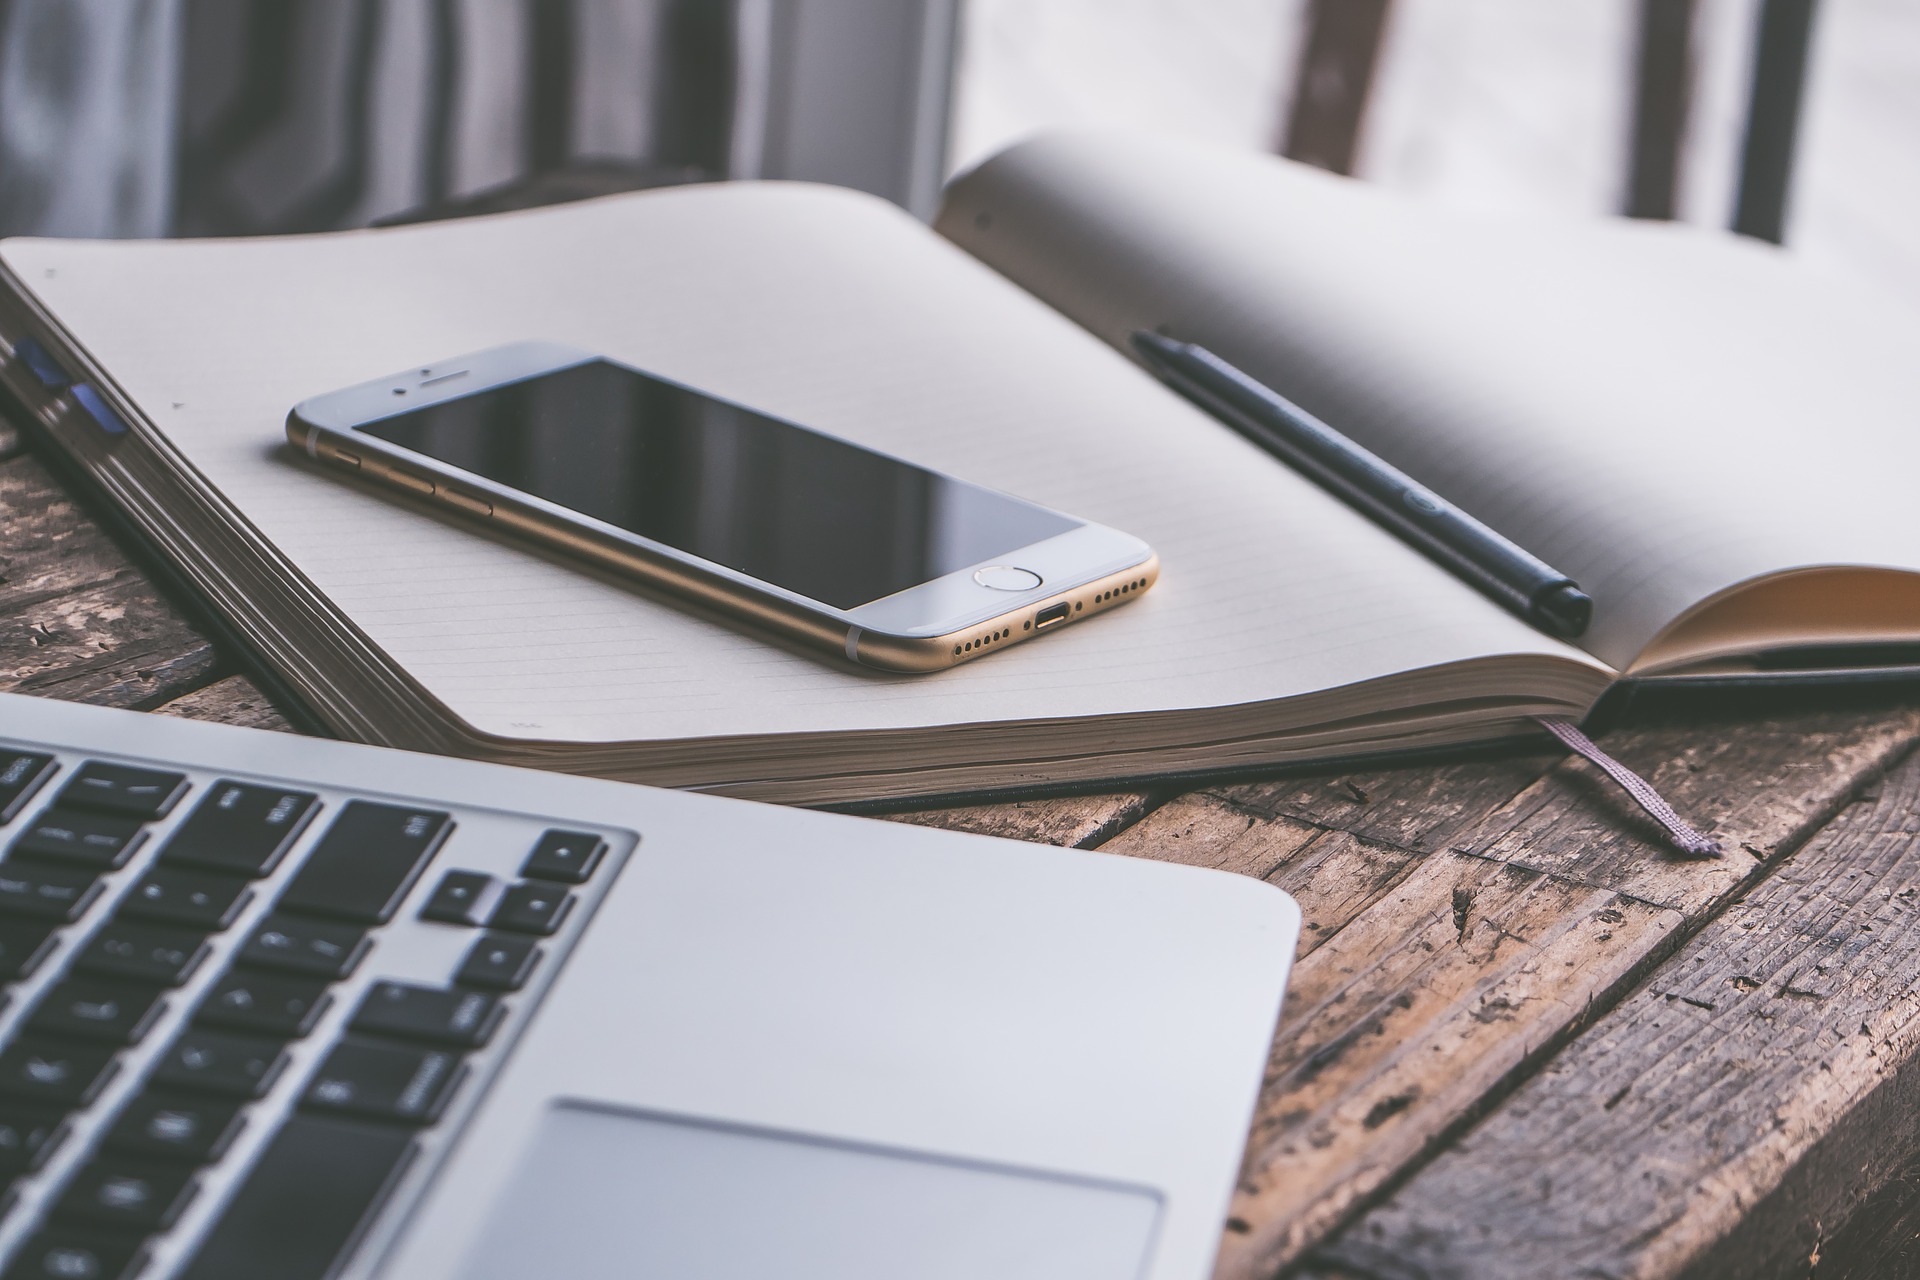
818	516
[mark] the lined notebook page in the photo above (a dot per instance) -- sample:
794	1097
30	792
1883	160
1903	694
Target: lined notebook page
818	304
1660	412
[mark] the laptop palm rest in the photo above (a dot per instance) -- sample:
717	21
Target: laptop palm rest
603	1194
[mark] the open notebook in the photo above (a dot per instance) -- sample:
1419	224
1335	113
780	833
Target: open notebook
1660	414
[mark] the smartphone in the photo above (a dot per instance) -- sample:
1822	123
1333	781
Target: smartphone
850	552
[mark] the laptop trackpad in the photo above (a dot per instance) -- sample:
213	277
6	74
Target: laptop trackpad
607	1194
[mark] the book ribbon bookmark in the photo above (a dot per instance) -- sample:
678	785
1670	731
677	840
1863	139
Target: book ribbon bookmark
1677	828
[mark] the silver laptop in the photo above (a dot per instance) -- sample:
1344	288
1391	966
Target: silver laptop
280	1007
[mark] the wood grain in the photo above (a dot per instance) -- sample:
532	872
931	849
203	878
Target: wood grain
233	700
1075	821
1748	1098
1421	808
76	619
1466	967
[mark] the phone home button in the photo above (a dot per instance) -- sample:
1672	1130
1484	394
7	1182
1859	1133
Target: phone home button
1004	577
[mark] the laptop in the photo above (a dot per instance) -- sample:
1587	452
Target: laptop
283	1007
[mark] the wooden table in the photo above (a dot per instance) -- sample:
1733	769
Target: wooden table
1521	1039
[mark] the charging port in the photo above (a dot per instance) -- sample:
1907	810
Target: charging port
1053	613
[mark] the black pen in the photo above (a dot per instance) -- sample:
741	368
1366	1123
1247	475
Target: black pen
1536	591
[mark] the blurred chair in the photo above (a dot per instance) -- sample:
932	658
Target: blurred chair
239	117
1341	49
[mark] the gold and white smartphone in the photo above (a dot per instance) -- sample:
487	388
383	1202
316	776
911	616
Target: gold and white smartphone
851	552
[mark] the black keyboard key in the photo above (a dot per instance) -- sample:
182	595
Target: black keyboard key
146	794
21	774
199	900
142	952
567	856
56	1073
100	840
366	862
233	1066
498	963
316	947
463	1019
532	908
131	1194
463	897
384	1082
176	1126
28	1135
46	890
95	1009
75	1252
278	1005
241	829
23	945
314	1190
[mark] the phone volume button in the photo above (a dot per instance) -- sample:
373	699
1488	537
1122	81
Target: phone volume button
467	502
406	480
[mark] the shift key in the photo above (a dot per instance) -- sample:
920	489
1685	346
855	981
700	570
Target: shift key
366	862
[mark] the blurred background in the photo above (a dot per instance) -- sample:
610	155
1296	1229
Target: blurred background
1790	120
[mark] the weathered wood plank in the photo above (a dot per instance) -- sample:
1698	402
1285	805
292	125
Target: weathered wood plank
1418	808
1461	972
1748	1099
76	619
233	700
1203	830
1074	821
47	544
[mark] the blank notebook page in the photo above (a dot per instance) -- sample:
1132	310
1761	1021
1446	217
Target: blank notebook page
808	302
1660	412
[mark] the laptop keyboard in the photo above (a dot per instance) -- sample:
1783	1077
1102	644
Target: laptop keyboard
243	1017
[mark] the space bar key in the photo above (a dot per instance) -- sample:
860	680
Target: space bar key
306	1202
